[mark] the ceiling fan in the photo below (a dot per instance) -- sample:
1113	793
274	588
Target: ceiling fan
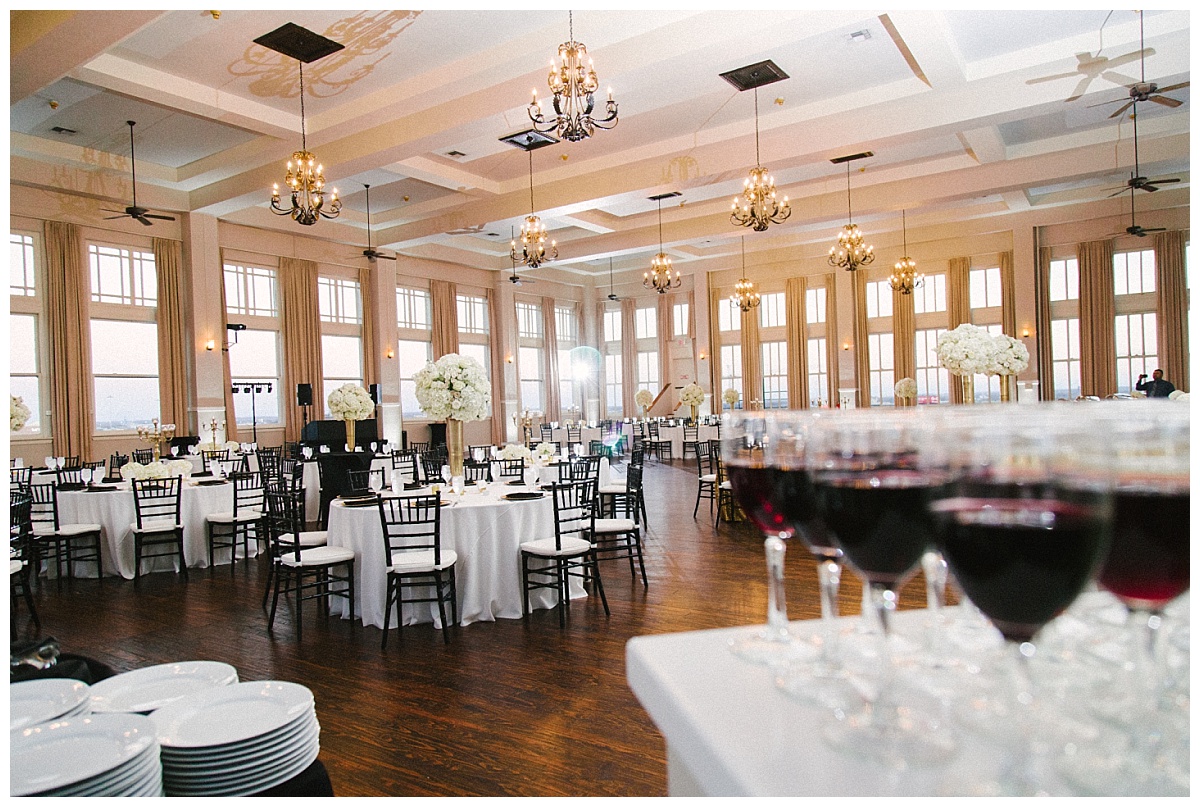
1133	228
141	214
370	252
1089	68
1146	90
611	296
1136	180
516	279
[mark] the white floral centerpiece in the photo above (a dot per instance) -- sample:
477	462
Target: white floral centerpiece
692	395
228	445
966	350
18	413
1179	395
514	451
163	469
1010	357
544	453
454	388
643	399
350	402
906	388
731	396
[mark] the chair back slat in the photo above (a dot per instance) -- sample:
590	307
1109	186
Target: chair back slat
143	456
157	500
360	481
21	477
248	493
411	523
573	505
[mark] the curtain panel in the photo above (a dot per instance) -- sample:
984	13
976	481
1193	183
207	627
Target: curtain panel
831	339
714	349
231	429
862	351
958	305
172	360
301	339
495	345
1008	295
904	336
752	385
444	298
629	356
666	331
370	315
550	340
72	409
795	298
1172	313
1045	351
1097	331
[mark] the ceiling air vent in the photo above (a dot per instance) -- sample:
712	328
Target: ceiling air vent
299	43
63	130
755	75
455	154
529	140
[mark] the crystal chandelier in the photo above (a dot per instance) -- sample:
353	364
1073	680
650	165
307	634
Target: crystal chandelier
659	277
306	181
533	251
573	86
905	278
758	207
744	296
851	251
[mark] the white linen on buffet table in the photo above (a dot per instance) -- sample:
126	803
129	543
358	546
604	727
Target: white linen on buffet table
486	532
113	510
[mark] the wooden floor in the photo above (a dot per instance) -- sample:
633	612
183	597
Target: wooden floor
509	708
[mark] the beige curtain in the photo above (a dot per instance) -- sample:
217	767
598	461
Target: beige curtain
832	347
666	330
752	386
172	361
904	336
714	349
301	339
1045	354
1008	294
67	297
629	357
1097	340
958	306
1169	262
795	297
550	329
370	329
444	296
862	352
495	346
691	323
231	430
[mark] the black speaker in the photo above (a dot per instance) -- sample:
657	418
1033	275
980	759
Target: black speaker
304	395
374	389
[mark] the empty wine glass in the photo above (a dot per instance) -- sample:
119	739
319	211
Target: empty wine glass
85	475
530	476
62	462
174	451
375	482
374	446
193	449
51	463
446	474
459	485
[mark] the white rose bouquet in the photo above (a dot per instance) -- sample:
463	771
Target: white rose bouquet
162	469
692	395
454	387
18	413
1010	357
350	402
731	397
906	388
643	398
544	452
966	350
512	451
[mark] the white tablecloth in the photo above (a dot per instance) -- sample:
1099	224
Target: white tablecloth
312	484
586	436
483	529
675	435
114	512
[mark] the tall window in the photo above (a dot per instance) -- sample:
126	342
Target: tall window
930	297
879	299
818	372
21	266
880	347
933	382
569	387
1064	350
680	314
775	378
341	334
613	402
985	287
252	297
647	371
987	387
24	377
473	331
729	317
645	321
772	311
339	300
124	305
731	371
414	341
1137	348
530	360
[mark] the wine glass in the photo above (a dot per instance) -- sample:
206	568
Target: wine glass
874	498
530	476
446	474
85	476
1023	527
374	446
459	485
375	481
51	463
174	451
62	462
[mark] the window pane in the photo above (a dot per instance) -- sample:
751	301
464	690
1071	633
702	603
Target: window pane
612	326
646	323
341	356
122	276
612	384
772	310
261	407
729	317
256	355
26	388
814	306
566	324
339	300
529	321
251	290
20	265
124	348
22	347
125	403
681	313
472	314
413	309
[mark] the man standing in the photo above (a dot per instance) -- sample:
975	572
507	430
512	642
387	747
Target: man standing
1156	388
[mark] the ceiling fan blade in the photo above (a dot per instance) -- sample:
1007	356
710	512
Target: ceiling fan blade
144	220
154	216
1165	101
387	257
1118	78
1121	111
1174	87
1170	181
122	216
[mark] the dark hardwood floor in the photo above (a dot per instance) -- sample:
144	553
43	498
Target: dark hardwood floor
508	708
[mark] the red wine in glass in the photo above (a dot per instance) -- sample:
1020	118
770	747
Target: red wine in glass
1149	562
781	501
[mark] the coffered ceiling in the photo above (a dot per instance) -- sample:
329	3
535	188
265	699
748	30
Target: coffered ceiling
970	115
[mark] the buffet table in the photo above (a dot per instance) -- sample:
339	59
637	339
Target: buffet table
486	532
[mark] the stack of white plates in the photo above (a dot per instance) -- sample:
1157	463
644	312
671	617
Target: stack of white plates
45	699
152	688
92	755
237	740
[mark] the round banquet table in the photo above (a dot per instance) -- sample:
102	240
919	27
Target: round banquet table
113	510
675	435
486	532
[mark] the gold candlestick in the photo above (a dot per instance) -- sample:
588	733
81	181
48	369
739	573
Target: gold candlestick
155	434
212	427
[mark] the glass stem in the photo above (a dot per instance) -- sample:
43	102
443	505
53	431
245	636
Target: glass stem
1021	776
883	604
1147	729
829	576
934	567
777	620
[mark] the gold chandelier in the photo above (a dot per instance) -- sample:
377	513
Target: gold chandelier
533	252
758	207
573	86
744	296
306	181
659	277
852	251
905	278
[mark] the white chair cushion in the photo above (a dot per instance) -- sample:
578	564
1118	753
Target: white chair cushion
726	485
319	556
615	525
414	561
43	530
708	478
14	566
245	516
78	529
156	525
613	489
311	538
547	549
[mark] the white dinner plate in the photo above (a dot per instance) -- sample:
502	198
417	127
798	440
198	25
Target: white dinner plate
242	768
151	688
265	780
230	714
33	702
122	779
55	755
188	759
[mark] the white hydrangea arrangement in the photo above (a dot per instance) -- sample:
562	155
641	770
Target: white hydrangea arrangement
350	402
1010	356
643	398
512	451
906	388
228	445
544	452
163	469
1178	395
454	387
731	396
966	350
18	413
692	395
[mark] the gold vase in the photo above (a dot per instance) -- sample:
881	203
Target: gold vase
454	445
1008	388
968	388
695	413
350	433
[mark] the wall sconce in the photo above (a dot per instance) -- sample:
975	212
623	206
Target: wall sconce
702	355
509	359
210	345
391	354
1026	332
846	345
